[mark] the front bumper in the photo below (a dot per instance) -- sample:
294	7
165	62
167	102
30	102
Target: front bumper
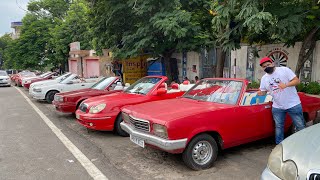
64	107
38	96
268	175
164	144
5	83
27	86
99	122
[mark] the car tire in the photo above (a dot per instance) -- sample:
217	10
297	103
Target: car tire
118	128
203	143
50	96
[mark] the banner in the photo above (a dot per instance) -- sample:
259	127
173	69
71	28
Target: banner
134	69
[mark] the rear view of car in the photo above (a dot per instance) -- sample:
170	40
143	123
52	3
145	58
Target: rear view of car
4	79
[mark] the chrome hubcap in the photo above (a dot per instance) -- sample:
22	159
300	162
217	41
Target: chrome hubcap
202	152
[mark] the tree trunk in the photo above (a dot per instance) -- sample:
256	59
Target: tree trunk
307	48
167	56
220	63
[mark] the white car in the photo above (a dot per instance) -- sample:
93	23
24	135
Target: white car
71	83
48	82
297	157
4	79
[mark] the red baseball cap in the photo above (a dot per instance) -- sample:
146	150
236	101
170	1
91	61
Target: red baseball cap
265	59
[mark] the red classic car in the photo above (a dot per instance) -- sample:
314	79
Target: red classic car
17	79
68	102
43	77
214	114
103	112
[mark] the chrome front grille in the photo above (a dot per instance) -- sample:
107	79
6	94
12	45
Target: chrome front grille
83	107
313	175
137	123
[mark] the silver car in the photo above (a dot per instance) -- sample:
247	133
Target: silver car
296	158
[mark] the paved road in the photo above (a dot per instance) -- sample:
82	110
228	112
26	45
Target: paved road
30	150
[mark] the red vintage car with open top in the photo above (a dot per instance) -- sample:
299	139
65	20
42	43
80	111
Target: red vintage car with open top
46	76
104	112
68	102
216	113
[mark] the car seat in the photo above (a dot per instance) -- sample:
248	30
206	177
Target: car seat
118	86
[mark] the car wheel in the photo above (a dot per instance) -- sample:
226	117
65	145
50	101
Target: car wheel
201	152
50	96
118	128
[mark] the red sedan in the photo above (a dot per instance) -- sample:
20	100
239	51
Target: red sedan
103	112
47	76
24	74
68	102
215	114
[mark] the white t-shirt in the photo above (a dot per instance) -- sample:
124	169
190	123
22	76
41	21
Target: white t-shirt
282	98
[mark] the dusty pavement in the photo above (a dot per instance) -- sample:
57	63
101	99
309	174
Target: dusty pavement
117	158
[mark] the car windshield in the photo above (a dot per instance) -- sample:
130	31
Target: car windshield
3	73
103	83
44	74
218	91
70	78
143	86
28	74
63	77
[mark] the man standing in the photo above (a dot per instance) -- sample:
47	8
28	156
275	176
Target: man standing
281	82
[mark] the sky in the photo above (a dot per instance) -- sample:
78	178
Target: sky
10	11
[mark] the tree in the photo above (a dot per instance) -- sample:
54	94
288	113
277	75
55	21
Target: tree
287	21
5	40
73	27
159	27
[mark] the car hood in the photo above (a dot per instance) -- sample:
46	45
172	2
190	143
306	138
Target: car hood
303	148
45	82
172	109
80	92
115	99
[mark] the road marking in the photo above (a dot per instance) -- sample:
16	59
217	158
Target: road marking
92	170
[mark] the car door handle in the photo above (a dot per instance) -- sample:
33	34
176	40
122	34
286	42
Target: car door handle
82	85
267	107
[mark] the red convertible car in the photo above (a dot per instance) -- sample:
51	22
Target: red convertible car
17	79
214	114
68	102
104	112
46	76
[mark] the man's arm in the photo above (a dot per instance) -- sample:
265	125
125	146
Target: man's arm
295	81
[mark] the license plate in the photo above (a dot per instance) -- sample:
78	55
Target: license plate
77	116
137	141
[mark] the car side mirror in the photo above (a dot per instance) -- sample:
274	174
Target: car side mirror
161	91
70	82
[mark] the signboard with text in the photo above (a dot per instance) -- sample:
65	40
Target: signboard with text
134	68
250	63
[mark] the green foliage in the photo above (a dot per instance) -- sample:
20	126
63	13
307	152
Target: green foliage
253	85
313	88
301	87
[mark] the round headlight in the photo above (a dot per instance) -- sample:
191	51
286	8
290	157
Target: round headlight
97	108
289	170
275	160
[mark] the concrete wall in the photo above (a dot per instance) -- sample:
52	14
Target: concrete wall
290	54
193	58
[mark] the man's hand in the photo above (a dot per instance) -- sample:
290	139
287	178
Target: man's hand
282	85
261	93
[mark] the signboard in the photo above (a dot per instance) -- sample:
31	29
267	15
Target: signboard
250	63
306	71
134	69
75	46
184	64
279	56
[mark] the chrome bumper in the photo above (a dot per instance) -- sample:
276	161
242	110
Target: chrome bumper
164	144
268	175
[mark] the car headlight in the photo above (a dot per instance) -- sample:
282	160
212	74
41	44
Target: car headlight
160	130
58	98
37	89
284	170
97	108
